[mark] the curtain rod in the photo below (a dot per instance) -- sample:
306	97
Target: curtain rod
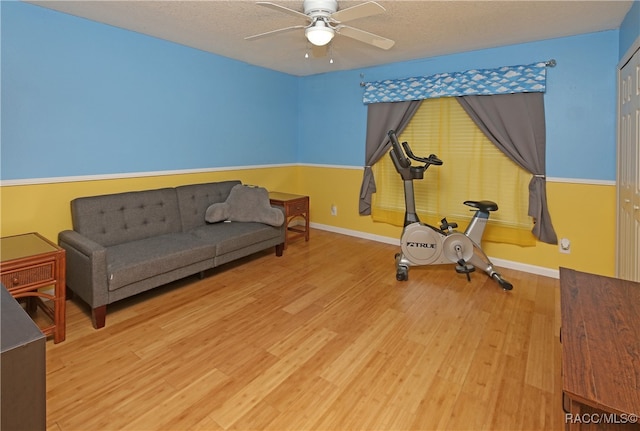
548	63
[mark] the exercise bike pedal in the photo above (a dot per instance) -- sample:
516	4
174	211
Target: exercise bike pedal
446	225
463	268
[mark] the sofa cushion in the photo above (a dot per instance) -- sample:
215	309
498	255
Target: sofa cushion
137	260
231	236
124	217
194	199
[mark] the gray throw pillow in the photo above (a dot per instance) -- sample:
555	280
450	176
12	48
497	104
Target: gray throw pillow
217	212
246	204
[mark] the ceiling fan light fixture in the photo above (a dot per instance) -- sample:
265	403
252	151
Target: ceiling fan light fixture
319	33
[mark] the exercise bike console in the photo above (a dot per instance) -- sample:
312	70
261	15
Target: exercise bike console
423	244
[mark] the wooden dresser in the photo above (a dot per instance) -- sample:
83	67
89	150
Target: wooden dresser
23	402
600	337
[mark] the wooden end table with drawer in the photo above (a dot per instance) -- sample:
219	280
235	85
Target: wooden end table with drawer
295	206
29	263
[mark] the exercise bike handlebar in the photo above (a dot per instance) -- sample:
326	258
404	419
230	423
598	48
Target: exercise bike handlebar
402	158
432	159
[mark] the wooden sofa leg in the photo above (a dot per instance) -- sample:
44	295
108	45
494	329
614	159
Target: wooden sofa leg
279	249
98	316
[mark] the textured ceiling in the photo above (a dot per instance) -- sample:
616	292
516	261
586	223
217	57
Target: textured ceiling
421	29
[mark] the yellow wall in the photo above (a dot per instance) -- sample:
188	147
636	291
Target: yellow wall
45	207
581	212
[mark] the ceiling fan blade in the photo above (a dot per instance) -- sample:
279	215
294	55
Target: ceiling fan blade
284	9
272	32
365	36
359	11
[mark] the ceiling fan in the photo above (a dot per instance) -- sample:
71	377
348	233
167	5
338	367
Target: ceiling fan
324	21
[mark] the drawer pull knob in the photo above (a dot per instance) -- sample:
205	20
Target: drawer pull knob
15	281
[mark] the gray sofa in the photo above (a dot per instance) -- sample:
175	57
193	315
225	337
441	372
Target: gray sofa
126	243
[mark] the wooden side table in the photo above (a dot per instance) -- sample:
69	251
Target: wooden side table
29	263
295	206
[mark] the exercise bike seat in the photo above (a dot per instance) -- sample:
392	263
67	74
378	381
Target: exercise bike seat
484	206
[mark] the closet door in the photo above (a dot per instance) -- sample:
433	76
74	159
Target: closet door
628	175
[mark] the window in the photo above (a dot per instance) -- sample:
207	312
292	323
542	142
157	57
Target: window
473	169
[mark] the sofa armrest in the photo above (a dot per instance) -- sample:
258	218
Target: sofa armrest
86	269
283	227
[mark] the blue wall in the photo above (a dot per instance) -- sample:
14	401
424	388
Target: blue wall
580	103
82	98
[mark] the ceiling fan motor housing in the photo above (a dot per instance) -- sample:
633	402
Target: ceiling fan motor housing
320	8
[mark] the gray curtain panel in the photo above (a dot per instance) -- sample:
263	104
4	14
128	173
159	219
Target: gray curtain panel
515	124
381	117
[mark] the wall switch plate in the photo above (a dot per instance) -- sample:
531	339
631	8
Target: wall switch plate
564	245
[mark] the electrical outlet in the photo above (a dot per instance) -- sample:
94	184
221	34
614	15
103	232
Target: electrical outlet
564	245
334	210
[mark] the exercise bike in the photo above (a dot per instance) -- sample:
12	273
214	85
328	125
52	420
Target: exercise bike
423	244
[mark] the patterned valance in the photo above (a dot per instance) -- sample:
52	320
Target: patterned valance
504	80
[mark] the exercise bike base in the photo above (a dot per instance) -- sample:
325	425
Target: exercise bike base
402	272
502	282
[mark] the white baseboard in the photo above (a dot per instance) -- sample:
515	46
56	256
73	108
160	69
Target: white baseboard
524	267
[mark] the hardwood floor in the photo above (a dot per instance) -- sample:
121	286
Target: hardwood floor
323	338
